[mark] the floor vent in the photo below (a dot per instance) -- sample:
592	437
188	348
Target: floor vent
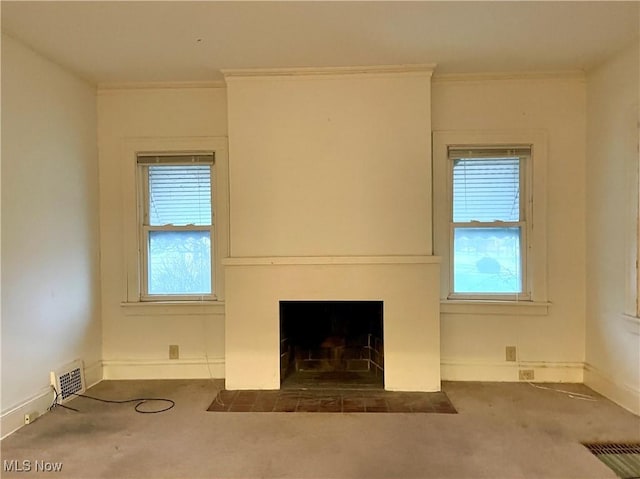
622	458
68	380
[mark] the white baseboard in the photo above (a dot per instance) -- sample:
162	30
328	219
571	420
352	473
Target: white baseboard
13	419
624	395
93	374
163	369
502	371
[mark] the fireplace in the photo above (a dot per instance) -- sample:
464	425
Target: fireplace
330	199
407	287
331	344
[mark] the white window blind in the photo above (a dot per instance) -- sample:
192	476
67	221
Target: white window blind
180	195
179	189
486	189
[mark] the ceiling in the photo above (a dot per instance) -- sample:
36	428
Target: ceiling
150	41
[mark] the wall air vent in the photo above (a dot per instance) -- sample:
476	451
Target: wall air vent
68	380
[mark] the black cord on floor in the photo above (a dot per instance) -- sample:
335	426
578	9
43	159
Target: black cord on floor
139	401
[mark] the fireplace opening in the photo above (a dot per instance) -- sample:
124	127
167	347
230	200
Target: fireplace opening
331	344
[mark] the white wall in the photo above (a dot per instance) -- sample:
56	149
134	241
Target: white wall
50	253
136	340
474	338
330	165
136	337
613	341
553	344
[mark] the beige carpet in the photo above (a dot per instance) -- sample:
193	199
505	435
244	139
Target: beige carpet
501	430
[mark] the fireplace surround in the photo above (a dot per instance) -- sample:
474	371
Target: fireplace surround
407	286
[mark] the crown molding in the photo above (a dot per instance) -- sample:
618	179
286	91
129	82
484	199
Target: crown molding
412	69
550	75
160	85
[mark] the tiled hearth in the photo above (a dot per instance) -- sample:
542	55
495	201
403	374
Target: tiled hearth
336	401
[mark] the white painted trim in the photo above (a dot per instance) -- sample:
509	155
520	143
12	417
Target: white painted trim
93	374
631	323
537	256
129	148
107	87
453	369
197	368
624	395
328	260
555	371
12	419
412	69
551	75
478	308
169	308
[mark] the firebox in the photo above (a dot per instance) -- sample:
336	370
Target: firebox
331	344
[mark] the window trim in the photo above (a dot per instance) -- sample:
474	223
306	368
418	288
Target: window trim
523	224
145	228
132	292
535	175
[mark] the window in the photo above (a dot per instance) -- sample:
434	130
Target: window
176	226
490	217
489	221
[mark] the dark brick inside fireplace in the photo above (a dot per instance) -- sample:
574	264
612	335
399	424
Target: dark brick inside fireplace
331	344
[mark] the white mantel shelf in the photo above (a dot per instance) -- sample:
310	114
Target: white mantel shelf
328	260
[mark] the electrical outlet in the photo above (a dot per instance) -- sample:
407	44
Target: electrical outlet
526	374
174	351
510	353
30	417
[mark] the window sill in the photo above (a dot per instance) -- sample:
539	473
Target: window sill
172	308
486	307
